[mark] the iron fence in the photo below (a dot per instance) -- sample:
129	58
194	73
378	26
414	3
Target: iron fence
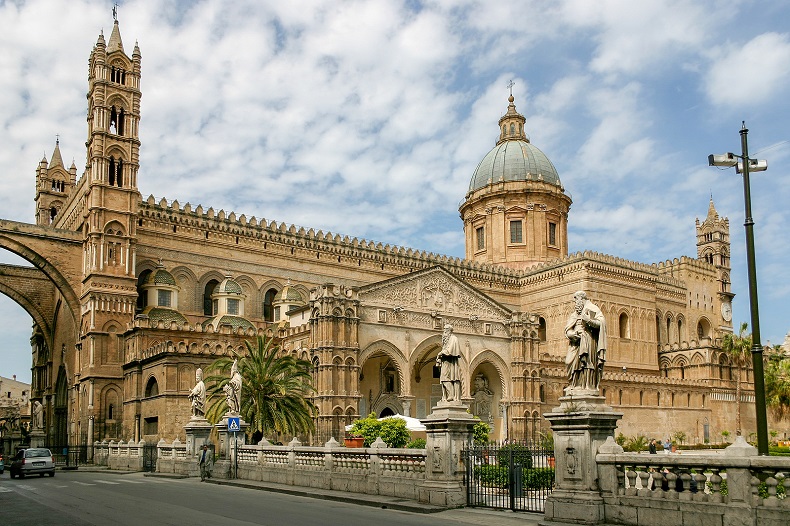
516	476
72	456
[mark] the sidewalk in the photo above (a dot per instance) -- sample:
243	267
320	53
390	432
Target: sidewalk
463	515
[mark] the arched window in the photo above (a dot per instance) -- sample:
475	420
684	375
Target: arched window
658	330
52	213
703	329
512	129
142	295
151	388
625	330
681	335
208	308
110	412
268	300
542	329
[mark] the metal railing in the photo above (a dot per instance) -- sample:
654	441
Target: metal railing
516	476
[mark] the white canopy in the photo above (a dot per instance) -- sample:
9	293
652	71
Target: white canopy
412	424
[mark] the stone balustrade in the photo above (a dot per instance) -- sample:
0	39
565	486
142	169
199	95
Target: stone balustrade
377	470
119	455
696	488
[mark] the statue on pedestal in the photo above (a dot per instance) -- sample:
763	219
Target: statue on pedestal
448	359
233	390
197	396
37	411
586	332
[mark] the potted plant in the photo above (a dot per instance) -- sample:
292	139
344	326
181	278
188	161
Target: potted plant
354	440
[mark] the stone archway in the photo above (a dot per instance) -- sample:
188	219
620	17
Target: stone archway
382	381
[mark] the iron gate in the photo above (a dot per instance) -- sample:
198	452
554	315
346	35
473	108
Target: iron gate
150	455
514	476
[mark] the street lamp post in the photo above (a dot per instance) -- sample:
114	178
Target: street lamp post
743	164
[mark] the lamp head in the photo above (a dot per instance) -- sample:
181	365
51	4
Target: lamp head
755	165
727	159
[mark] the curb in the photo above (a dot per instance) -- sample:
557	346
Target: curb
376	501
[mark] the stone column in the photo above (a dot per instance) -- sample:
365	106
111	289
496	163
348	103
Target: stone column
580	425
449	431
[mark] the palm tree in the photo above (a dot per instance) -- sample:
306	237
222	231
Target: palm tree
738	348
777	382
274	390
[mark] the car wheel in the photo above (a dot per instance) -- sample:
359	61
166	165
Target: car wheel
21	475
12	474
51	473
41	475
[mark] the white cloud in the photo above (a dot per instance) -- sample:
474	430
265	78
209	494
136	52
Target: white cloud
749	74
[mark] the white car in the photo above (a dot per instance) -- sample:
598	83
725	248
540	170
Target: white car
32	461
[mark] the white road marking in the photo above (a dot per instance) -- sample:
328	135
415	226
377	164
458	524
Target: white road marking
25	487
3	489
132	481
106	482
83	483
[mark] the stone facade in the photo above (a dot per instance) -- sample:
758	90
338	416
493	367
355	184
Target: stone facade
117	342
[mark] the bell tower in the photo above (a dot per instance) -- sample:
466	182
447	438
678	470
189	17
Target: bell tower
111	202
53	186
713	246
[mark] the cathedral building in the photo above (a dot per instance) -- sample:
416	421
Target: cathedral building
130	295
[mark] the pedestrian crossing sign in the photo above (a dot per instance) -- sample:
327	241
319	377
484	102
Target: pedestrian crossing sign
233	424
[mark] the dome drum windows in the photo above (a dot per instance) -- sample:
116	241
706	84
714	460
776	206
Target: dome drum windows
552	234
480	237
517	232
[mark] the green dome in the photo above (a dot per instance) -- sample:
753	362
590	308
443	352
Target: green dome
228	286
227	319
514	160
161	277
288	294
165	315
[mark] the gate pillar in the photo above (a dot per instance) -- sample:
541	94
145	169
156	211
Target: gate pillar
580	425
197	430
449	431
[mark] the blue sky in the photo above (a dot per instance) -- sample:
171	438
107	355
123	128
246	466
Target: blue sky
368	118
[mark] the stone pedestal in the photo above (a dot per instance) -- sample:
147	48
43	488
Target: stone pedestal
580	426
449	430
39	439
198	430
227	444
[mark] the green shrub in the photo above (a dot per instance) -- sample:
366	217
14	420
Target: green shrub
635	443
521	455
538	478
480	433
417	443
491	476
368	428
391	430
394	432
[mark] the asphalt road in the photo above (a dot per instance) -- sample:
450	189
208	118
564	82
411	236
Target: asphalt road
75	498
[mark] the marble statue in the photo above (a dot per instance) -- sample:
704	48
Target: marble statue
483	397
38	415
586	332
448	359
197	396
233	390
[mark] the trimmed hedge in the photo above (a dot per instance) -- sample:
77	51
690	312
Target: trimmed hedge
521	455
498	477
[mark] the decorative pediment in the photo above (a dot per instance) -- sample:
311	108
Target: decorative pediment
436	291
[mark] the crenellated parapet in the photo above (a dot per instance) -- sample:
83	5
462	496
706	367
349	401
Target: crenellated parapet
209	224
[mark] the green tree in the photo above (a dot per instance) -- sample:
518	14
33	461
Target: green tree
738	348
777	385
274	390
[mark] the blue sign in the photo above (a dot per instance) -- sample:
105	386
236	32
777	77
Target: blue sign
233	424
